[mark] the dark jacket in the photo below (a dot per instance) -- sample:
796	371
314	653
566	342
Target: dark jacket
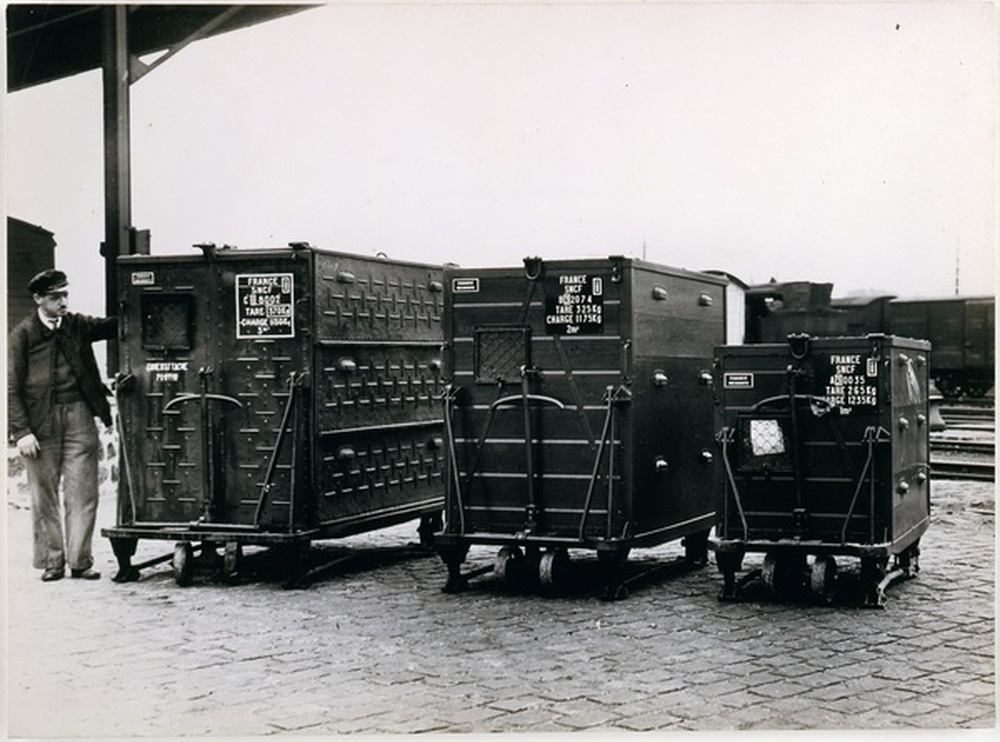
31	349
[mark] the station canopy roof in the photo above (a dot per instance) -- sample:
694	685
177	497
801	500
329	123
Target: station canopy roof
50	42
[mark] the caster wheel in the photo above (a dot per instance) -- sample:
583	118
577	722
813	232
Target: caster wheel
183	563
506	565
552	567
782	574
823	578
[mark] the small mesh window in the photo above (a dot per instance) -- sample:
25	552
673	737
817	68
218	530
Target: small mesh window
167	321
500	353
764	441
766	438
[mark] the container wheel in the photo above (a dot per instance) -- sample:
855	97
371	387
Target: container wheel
823	578
552	567
507	564
183	563
782	574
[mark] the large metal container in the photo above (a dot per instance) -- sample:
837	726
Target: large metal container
578	412
273	397
824	452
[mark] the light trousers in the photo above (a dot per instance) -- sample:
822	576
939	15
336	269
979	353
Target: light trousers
68	458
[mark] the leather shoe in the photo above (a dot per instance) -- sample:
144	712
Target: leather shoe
51	575
85	574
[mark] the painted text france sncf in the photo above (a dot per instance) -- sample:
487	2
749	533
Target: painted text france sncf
264	306
853	382
574	304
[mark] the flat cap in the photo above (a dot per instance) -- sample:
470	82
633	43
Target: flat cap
48	281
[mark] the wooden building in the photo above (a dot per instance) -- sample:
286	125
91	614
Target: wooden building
30	249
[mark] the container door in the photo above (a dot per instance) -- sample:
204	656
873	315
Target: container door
166	347
210	423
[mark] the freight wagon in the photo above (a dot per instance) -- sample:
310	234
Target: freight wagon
961	329
578	413
274	397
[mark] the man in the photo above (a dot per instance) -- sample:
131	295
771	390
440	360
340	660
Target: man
54	392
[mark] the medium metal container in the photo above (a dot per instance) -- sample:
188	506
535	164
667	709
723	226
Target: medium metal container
274	397
824	452
578	411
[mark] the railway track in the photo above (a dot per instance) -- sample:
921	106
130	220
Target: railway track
957	455
981	471
962	445
972	414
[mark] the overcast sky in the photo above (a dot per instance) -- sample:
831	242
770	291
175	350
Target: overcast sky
841	142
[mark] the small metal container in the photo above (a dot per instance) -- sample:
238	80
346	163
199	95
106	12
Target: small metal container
824	452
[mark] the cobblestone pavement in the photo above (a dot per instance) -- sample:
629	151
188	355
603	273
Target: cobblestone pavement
375	647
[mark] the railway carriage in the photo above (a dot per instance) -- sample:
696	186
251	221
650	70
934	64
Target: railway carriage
961	329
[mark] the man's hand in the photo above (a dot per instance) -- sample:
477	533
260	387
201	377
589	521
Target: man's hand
28	446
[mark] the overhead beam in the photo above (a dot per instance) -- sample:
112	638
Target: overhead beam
57	40
139	69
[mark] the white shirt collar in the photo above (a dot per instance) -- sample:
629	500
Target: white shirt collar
51	322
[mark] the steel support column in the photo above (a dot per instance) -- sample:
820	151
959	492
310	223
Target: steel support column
117	166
